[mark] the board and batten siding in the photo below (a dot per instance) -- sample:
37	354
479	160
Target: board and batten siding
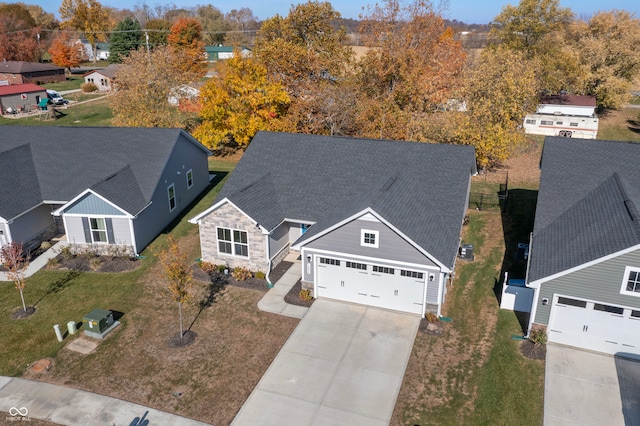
28	226
279	239
600	282
90	204
391	246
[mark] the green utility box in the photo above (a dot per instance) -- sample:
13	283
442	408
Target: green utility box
98	320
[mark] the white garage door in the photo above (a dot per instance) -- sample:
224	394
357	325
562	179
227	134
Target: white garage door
595	326
369	284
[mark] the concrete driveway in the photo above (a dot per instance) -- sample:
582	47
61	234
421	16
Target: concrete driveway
342	365
587	388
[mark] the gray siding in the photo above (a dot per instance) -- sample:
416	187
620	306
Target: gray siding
15	101
75	230
121	231
346	239
30	225
92	205
432	288
152	220
279	239
601	282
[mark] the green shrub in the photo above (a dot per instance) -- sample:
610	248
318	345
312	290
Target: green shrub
221	268
241	274
260	275
538	337
88	87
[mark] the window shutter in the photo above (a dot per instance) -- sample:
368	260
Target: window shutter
87	230
109	224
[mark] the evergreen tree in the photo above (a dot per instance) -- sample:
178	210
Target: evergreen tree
126	37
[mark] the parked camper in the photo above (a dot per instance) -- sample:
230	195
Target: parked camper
561	125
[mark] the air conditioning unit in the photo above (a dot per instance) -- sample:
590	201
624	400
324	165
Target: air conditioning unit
466	251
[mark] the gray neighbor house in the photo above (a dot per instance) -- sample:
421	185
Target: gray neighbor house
584	263
99	186
375	222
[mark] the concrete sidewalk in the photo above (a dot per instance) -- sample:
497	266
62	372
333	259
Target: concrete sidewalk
274	302
24	399
40	262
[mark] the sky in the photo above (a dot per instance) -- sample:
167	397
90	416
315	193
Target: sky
468	11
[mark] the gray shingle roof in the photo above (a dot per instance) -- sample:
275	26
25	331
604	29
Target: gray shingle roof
68	160
419	188
587	204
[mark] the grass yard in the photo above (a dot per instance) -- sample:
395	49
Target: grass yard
95	113
621	125
73	82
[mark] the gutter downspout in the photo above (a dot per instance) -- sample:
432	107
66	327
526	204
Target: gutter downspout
269	283
534	307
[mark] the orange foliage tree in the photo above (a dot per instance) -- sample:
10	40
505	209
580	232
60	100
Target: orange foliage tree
186	40
18	34
64	52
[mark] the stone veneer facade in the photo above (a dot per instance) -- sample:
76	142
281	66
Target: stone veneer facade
227	216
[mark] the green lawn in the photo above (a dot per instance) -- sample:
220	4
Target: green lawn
62	296
73	82
96	113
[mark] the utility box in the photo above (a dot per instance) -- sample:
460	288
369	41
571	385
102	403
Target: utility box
98	320
466	251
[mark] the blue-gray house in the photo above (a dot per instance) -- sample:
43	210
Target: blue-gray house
375	222
585	247
99	186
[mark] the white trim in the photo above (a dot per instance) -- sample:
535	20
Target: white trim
23	213
82	194
175	199
194	141
376	238
537	283
298	221
96	215
625	280
190	171
377	260
106	232
353	217
133	237
196	219
232	242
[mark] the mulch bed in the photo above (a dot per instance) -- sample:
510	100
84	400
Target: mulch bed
21	313
532	351
293	297
221	280
188	337
279	271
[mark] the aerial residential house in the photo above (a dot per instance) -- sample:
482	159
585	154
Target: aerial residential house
375	222
20	72
100	186
218	53
564	115
17	98
103	78
585	247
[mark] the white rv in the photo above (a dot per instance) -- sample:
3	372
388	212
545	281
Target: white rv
564	115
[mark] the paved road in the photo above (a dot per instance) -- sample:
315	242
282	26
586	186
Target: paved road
342	365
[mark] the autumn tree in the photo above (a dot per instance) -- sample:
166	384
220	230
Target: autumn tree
307	55
239	102
213	24
18	34
144	83
499	91
241	24
64	52
414	65
178	274
88	17
185	39
126	37
15	262
157	30
609	62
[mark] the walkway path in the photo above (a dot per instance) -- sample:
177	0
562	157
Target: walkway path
274	302
39	262
24	399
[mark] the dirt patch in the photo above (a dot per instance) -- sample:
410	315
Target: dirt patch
178	341
532	351
293	297
21	313
432	328
93	263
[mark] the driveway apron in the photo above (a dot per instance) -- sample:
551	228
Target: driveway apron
587	388
343	364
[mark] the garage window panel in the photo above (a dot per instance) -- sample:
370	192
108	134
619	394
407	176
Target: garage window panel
356	265
572	302
607	308
631	281
412	274
329	261
383	269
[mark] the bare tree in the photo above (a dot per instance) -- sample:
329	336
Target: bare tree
12	255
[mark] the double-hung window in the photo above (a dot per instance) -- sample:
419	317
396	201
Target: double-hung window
233	241
189	178
98	228
171	193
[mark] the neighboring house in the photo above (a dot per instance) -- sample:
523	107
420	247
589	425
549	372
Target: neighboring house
86	49
19	72
99	186
102	51
376	222
585	247
103	78
217	53
20	98
564	115
184	92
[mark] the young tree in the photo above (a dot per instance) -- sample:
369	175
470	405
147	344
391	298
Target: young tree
178	274
239	102
126	37
144	84
14	260
64	52
88	17
185	39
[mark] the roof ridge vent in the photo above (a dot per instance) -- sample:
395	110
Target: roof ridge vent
389	183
